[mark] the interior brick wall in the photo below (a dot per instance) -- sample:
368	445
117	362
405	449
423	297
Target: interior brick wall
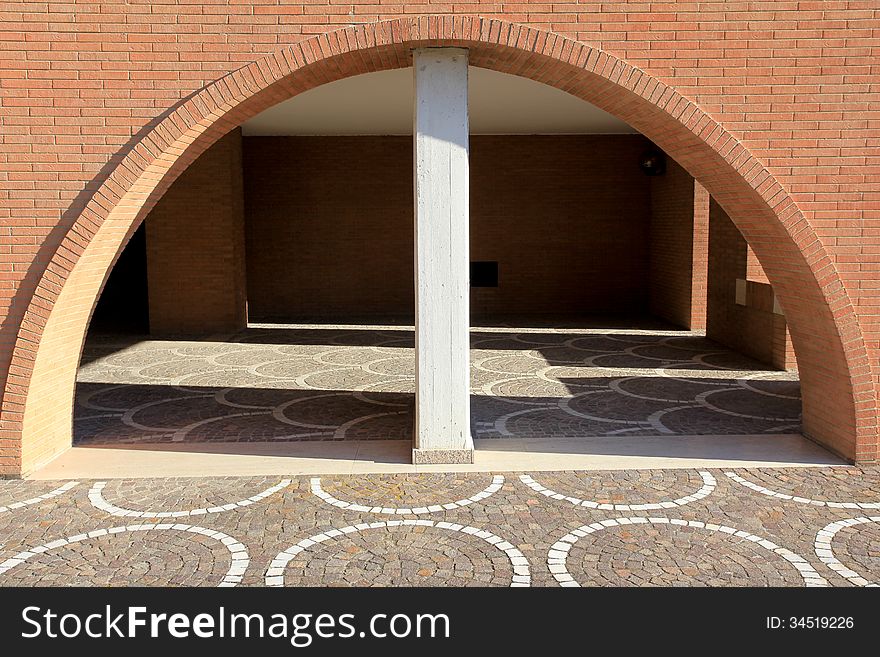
329	228
567	219
330	225
754	270
195	247
752	328
678	248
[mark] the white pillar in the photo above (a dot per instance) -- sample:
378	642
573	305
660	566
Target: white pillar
442	429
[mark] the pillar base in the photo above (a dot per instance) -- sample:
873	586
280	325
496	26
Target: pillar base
442	456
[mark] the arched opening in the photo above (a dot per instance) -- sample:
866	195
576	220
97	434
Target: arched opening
829	350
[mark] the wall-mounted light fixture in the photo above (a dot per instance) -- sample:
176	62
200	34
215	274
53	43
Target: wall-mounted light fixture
653	162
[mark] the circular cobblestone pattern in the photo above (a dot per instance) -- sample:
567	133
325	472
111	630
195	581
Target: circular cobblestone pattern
626	490
841	487
149	558
179	493
861	544
675	556
401	556
405	490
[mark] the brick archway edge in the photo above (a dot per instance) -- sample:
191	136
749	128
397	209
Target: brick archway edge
838	397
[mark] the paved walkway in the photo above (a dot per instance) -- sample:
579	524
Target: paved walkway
763	527
345	383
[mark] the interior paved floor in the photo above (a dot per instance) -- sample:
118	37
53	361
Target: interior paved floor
692	527
335	383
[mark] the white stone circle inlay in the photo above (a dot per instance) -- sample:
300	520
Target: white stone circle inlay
96	497
495	486
826	554
801	500
237	551
521	574
36	500
708	486
558	554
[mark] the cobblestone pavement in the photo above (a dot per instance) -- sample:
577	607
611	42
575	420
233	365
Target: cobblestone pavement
763	527
340	383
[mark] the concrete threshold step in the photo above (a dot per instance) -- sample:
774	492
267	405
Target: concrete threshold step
392	456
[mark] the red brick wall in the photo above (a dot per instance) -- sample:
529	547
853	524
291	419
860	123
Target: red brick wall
330	225
195	247
750	326
678	251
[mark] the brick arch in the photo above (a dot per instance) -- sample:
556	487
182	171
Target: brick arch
839	410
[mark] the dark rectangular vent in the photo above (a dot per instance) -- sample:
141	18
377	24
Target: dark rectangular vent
484	273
